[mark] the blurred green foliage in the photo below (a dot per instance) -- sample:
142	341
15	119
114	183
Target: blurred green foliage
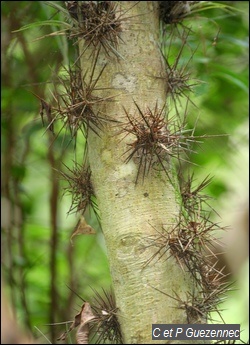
30	65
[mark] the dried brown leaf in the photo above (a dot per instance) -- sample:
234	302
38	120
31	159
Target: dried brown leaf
82	335
82	228
82	318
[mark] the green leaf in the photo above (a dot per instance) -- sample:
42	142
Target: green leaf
57	7
207	5
234	78
44	22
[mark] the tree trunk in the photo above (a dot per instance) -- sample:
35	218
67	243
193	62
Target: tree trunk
132	215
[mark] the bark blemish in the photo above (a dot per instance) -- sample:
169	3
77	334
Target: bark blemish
127	82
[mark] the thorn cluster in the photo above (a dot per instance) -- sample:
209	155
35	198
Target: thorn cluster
191	243
192	198
172	12
76	105
195	310
179	82
156	140
197	306
80	188
98	23
101	319
150	134
106	326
